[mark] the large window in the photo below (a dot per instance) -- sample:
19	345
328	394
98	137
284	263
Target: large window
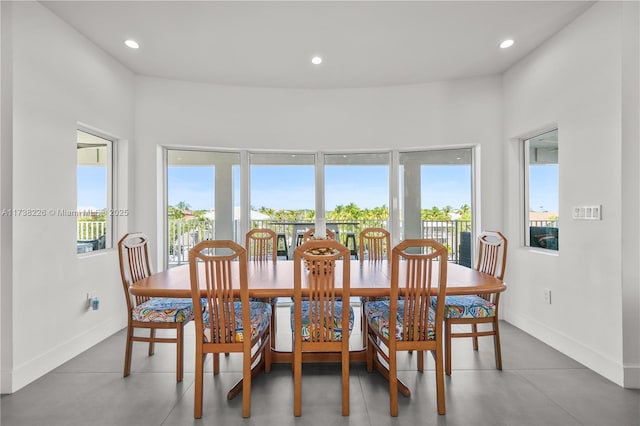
283	195
202	199
541	191
435	199
356	192
416	194
94	193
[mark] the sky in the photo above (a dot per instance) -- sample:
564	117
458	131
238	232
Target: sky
92	187
292	187
543	188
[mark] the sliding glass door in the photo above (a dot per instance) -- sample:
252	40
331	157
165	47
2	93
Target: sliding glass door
356	192
202	199
413	194
282	194
435	198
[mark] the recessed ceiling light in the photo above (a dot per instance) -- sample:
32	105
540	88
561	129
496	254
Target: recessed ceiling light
506	43
132	44
316	60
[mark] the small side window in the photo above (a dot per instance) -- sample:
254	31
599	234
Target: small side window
542	218
94	171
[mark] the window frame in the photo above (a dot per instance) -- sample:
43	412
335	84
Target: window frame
110	143
525	177
319	163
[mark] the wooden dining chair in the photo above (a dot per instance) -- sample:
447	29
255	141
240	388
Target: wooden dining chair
407	321
262	245
224	322
481	308
375	242
322	317
145	312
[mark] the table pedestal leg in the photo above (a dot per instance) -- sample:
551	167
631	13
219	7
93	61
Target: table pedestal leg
237	388
402	388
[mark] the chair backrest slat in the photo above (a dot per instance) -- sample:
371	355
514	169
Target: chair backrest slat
219	277
492	253
261	245
418	273
319	259
133	254
376	242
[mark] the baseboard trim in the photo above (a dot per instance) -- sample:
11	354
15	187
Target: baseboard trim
632	376
599	363
37	367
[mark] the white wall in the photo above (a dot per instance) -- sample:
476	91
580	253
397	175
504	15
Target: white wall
56	79
631	192
573	80
173	113
59	80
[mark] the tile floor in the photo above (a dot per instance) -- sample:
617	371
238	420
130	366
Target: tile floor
538	386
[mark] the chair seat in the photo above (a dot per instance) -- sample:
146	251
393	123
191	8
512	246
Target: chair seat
377	315
337	321
468	307
163	309
260	313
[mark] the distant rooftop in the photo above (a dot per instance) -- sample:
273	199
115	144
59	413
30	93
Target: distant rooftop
543	215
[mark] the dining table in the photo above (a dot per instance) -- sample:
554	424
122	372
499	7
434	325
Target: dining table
275	279
271	280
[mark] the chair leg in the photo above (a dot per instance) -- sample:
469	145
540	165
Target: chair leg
127	352
197	399
345	382
216	363
393	384
267	354
474	330
447	341
246	383
365	327
272	332
496	344
370	353
297	382
152	336
440	398
420	361
179	351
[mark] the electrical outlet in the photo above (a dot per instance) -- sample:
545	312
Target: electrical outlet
547	296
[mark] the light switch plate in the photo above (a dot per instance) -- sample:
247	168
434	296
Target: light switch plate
587	212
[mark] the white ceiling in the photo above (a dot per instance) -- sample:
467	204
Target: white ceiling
270	44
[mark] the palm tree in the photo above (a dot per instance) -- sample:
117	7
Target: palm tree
174	213
465	212
182	206
268	211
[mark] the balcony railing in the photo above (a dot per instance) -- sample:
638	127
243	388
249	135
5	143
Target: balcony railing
551	223
184	234
91	230
455	235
